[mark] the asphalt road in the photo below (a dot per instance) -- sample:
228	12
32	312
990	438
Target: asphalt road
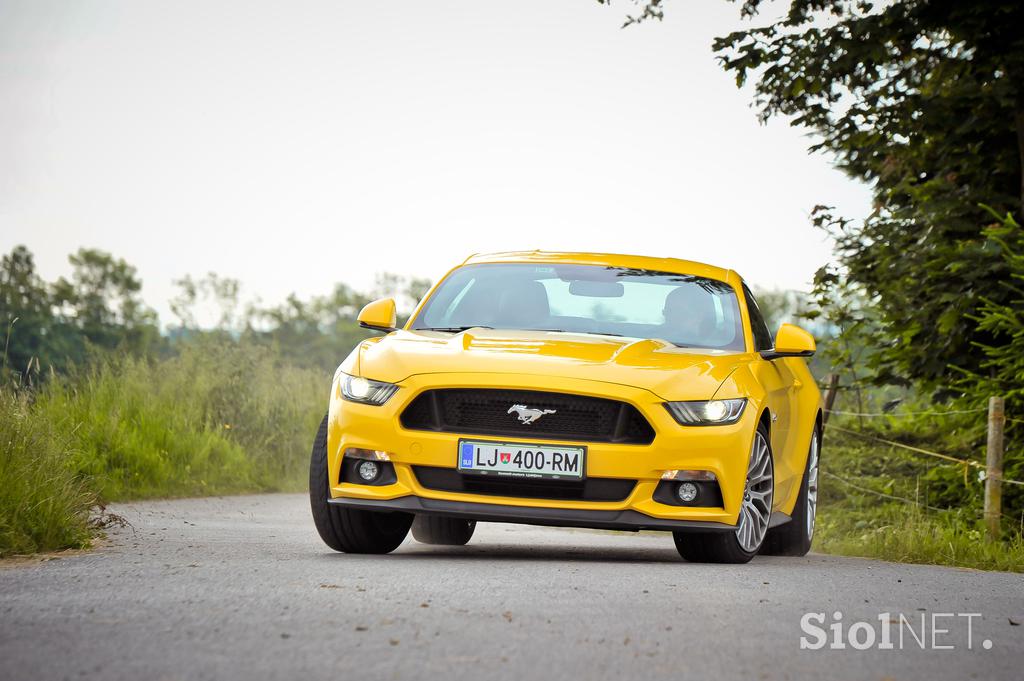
241	588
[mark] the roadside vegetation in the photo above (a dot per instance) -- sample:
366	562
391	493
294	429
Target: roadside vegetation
880	502
43	503
218	418
97	405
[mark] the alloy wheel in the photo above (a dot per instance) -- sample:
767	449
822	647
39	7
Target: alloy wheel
812	485
756	510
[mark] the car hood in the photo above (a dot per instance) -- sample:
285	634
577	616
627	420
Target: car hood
671	372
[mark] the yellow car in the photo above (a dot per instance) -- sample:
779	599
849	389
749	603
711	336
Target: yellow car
574	389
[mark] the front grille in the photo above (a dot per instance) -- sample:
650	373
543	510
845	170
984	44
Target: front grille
485	411
590	489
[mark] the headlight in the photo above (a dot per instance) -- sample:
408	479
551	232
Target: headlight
708	413
365	391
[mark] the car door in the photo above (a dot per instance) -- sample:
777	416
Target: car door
779	384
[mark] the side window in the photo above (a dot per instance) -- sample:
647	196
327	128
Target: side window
762	336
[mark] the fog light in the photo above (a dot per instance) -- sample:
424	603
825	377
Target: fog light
369	470
687	492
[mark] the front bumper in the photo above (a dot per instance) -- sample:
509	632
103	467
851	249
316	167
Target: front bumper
627	519
723	450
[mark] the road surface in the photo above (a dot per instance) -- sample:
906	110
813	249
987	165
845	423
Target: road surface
241	588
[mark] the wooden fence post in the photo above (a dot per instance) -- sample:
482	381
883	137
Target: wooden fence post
994	467
830	396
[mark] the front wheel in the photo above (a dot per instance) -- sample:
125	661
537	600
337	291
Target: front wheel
348	529
742	544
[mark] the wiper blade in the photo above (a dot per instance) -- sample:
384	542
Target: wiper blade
460	329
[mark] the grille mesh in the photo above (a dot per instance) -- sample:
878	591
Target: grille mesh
485	411
590	489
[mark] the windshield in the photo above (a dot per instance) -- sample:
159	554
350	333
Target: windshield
685	310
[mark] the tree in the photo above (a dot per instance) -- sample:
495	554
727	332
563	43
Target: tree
407	291
1002	367
102	302
222	293
102	291
100	306
924	101
319	332
25	311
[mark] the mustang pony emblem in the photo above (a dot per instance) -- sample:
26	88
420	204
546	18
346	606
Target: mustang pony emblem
527	415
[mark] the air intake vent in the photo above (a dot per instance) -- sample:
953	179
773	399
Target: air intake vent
591	489
483	411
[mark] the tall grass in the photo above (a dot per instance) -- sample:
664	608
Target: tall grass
43	503
908	535
218	418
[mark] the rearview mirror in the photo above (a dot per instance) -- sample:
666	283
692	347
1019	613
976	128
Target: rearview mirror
791	341
380	315
596	289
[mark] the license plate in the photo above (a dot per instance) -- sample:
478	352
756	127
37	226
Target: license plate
516	460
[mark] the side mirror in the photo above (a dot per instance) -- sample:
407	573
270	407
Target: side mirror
380	315
791	341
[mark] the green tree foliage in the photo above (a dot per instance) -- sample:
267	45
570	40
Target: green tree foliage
1002	366
102	301
26	311
317	332
51	325
99	307
924	101
1001	370
321	331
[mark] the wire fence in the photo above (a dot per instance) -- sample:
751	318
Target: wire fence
883	495
893	497
990	473
966	463
898	414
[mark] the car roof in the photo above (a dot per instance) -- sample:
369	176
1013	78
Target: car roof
674	265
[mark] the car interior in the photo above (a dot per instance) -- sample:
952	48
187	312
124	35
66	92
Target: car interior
691	314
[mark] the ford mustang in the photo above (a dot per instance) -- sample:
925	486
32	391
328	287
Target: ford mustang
580	390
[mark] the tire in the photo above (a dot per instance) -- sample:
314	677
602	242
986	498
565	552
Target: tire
347	529
795	537
744	543
432	529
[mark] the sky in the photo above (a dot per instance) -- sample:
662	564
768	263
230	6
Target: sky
293	145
